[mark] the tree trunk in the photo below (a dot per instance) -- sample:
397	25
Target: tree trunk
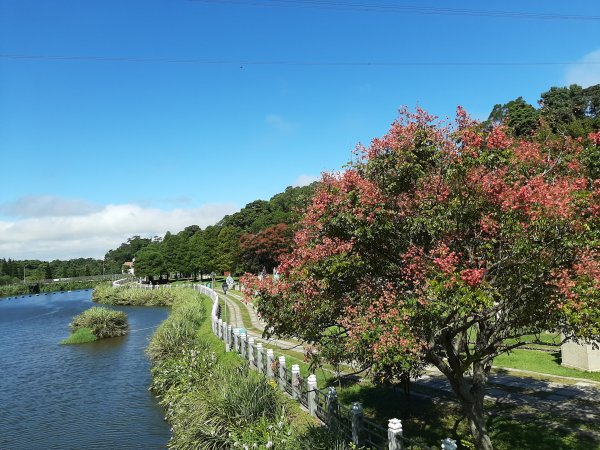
471	396
476	418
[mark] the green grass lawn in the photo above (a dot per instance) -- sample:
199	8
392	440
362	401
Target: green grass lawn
541	362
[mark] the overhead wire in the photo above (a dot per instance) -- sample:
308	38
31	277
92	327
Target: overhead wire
339	5
258	62
402	9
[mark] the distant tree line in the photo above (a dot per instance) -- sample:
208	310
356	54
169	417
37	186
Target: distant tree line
32	270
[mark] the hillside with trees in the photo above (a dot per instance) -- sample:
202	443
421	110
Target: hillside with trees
250	240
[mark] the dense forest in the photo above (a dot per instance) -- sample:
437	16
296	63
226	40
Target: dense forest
13	271
254	238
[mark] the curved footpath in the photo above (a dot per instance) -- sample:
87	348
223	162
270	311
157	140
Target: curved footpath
236	319
566	397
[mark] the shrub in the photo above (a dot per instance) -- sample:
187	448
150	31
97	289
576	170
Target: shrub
102	322
178	332
133	296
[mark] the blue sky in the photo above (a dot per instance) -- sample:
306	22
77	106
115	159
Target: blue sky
141	116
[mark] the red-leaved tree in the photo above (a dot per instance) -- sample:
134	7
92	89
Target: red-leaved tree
264	249
445	245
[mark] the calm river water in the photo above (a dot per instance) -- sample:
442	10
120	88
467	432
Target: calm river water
90	396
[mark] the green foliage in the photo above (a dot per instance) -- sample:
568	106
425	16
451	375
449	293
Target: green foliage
71	285
80	336
178	332
212	399
102	322
15	271
519	115
150	261
109	295
13	290
572	111
194	251
227	249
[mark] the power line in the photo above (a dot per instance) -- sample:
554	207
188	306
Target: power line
403	9
258	62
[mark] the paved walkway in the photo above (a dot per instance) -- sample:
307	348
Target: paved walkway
579	400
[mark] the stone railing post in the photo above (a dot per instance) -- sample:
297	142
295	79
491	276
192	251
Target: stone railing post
295	381
220	328
282	379
251	352
270	361
311	387
259	357
357	422
243	344
395	435
224	331
332	406
449	444
228	338
236	339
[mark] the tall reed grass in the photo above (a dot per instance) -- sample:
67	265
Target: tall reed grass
132	296
102	322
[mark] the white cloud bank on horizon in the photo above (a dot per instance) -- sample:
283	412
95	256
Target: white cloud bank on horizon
73	228
305	180
46	206
586	72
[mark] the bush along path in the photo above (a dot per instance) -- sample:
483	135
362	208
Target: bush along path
212	399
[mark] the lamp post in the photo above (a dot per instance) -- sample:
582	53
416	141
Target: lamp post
225	301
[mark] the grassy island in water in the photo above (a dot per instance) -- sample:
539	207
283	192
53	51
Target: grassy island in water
97	323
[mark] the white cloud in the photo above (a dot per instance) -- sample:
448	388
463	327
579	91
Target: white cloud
305	180
586	72
93	233
46	206
279	123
